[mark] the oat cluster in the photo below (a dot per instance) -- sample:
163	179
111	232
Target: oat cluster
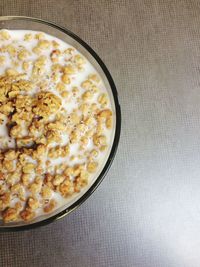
45	118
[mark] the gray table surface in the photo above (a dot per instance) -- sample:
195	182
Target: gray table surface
146	213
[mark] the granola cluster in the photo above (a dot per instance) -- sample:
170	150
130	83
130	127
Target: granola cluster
54	123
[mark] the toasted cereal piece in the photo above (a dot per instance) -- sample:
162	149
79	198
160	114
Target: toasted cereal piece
69	171
41	150
50	206
75	118
103	148
103	99
89	121
94	153
15	63
26	179
99	140
99	128
80	181
35	188
48	180
11	50
94	107
11	72
10	215
55	54
28	168
2	118
65	150
7	108
41	140
65	79
74	137
53	136
106	113
3	190
58	179
8	165
2	60
81	127
25	65
46	192
56	125
4	35
27	214
39	35
23	54
44	44
72	158
109	122
13	94
60	87
37	50
94	78
57	67
28	37
26	141
36	71
17	188
87	84
33	203
48	177
18	206
11	154
36	128
92	166
77	169
39	170
48	103
79	60
55	77
55	44
94	89
65	94
69	51
69	69
75	91
66	188
40	61
84	140
87	95
2	176
84	108
5	199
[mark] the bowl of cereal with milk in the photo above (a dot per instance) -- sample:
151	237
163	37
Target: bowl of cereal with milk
59	122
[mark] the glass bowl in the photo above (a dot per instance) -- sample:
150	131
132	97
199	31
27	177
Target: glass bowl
27	23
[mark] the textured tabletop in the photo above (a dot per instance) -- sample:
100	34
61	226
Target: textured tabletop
146	213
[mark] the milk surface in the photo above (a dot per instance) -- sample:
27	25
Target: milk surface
17	36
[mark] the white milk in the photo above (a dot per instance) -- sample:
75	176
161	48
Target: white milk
17	36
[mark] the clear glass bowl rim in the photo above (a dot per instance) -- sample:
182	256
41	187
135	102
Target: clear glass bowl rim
107	165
